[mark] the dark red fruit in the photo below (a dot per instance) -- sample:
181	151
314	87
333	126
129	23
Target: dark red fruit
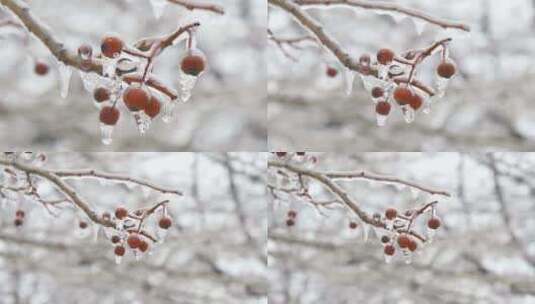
391	213
292	214
290	222
383	108
377	92
85	51
165	222
153	107
82	225
115	239
109	115
433	223
20	213
385	56
416	101
192	65
18	222
133	240
446	69
353	225
364	59
143	246
331	72
41	68
101	94
385	239
403	241
413	245
300	153
402	95
111	47
135	98
281	154
119	250
121	213
389	250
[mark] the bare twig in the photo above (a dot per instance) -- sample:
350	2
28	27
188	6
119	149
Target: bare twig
196	5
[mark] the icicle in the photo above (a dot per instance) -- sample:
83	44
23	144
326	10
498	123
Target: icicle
162	235
381	119
365	232
388	258
158	7
389	224
187	83
106	133
408	113
419	25
441	84
109	66
118	259
89	80
146	191
407	256
65	73
430	235
168	111
382	71
142	122
427	105
349	78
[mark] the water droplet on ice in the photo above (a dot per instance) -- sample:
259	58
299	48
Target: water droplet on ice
65	73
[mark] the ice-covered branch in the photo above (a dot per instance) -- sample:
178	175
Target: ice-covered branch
197	5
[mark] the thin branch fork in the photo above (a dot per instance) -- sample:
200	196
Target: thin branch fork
195	5
388	6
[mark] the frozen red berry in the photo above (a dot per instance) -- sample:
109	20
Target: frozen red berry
193	64
115	239
18	222
136	98
385	239
101	94
41	68
292	214
389	250
85	51
133	240
290	222
143	246
391	213
377	92
385	56
446	69
152	109
109	115
121	213
413	245
383	108
331	72
353	225
165	222
433	223
416	101
82	225
111	47
403	241
20	213
119	250
402	95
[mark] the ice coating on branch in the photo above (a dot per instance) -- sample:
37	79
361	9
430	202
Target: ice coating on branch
109	66
65	73
187	83
106	132
158	7
349	76
89	80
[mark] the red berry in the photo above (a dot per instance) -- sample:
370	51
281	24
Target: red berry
292	214
446	69
133	241
20	213
364	59
101	94
403	241
111	47
152	109
281	154
106	215
377	92
135	98
192	64
18	222
433	223
331	72
290	222
109	115
383	108
300	153
353	225
389	250
41	68
391	213
385	239
402	95
416	101
165	222
121	213
385	56
143	246
115	239
82	225
413	245
119	250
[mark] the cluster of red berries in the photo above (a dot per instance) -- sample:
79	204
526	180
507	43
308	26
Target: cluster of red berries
134	239
291	217
19	218
402	236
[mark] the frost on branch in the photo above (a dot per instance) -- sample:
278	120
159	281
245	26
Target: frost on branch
295	184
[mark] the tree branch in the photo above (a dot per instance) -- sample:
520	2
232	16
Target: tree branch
195	5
